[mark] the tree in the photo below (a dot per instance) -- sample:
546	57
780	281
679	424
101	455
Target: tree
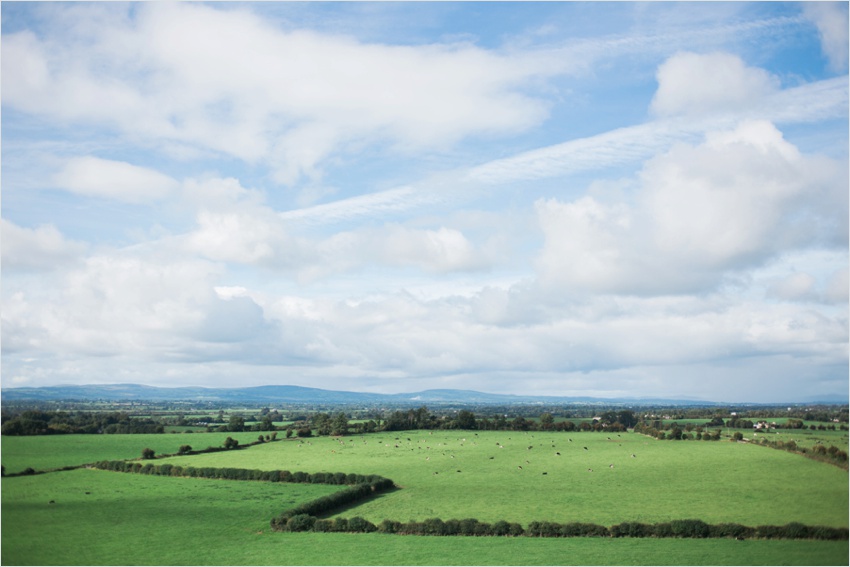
627	418
147	453
546	420
230	443
236	423
184	449
465	420
339	424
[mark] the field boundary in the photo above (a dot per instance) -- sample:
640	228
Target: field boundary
305	516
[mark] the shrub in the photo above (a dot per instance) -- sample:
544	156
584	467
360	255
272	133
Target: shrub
769	532
434	526
632	529
731	530
300	523
689	528
468	526
516	530
147	453
184	449
358	524
501	528
579	529
389	526
795	530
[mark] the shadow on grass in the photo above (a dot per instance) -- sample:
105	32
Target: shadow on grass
353	505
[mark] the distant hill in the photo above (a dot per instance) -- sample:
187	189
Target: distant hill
300	394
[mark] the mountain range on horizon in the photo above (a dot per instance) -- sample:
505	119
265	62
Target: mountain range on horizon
302	394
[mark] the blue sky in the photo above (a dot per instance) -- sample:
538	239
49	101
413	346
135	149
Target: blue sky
607	199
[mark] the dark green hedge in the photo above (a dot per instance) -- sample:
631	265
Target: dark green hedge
472	527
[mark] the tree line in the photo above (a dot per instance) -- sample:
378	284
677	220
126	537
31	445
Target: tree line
38	422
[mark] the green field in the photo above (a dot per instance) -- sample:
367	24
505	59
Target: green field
716	481
135	519
54	451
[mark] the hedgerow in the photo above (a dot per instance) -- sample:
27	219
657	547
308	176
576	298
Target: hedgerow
304	517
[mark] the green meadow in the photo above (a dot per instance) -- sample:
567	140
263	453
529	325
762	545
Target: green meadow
45	452
494	476
108	518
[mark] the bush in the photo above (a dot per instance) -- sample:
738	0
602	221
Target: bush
147	453
769	532
516	530
579	529
731	530
795	530
501	528
632	529
689	528
300	523
358	524
434	526
389	527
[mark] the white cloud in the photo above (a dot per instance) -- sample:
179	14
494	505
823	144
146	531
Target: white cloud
226	80
831	21
796	286
838	287
692	84
38	249
699	213
97	177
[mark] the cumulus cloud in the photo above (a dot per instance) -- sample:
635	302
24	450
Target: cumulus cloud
228	81
693	83
97	177
699	213
831	21
36	249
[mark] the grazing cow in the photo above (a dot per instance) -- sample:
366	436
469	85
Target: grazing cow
545	473
585	448
52	502
633	456
611	466
557	453
519	467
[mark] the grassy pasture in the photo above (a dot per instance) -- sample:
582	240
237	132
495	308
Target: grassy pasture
712	481
55	451
145	520
137	519
805	437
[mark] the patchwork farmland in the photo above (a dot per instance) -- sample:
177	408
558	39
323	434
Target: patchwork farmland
89	516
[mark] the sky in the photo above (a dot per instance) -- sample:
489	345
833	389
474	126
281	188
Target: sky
558	198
